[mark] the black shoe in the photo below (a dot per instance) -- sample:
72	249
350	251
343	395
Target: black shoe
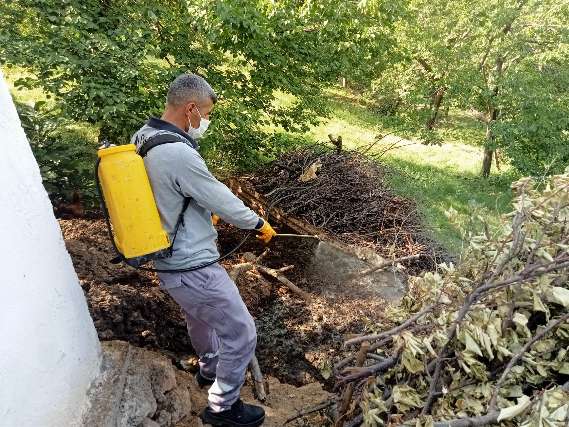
203	381
240	415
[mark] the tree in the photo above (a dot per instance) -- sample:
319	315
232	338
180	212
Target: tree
108	62
506	59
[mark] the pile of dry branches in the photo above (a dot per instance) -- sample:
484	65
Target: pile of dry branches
481	343
342	193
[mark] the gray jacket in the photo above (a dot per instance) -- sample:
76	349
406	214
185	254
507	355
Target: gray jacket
177	171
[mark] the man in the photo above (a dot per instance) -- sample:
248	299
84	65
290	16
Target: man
221	329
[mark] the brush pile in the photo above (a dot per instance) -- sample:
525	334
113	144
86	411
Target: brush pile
482	343
344	194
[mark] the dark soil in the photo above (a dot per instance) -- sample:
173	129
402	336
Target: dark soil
297	341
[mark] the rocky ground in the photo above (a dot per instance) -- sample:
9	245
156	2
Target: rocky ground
139	387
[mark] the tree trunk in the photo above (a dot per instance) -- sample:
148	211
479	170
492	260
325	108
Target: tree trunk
493	113
489	144
487	162
437	100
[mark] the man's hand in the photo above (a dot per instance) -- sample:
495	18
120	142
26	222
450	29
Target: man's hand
266	232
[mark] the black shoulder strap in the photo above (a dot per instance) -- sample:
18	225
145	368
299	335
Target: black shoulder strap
180	221
155	141
149	144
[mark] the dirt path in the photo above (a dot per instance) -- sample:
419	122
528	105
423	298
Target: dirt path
284	401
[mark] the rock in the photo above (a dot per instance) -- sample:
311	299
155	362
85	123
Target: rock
147	422
137	387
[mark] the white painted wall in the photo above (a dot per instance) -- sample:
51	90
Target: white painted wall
49	351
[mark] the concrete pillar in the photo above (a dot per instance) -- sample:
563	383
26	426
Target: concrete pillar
49	351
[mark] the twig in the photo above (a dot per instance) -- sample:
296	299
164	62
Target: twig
277	275
319	407
358	373
344	362
258	379
481	421
550	326
356	421
393	331
349	391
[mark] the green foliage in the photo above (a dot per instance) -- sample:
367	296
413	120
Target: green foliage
507	60
109	62
65	154
534	125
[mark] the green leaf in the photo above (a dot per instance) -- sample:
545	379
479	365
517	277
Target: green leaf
411	363
471	345
406	397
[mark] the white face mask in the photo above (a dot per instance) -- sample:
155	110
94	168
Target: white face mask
197	133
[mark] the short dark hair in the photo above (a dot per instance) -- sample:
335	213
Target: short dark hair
190	87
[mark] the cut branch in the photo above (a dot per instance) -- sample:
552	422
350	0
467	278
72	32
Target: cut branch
258	381
393	331
278	275
550	326
319	407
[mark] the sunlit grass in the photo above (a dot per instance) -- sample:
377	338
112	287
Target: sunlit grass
437	177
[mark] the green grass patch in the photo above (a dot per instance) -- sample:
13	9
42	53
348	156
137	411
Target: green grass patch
436	177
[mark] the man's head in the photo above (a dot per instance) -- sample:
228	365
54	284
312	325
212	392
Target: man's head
190	99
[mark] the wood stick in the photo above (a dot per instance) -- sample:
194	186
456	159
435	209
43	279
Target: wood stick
393	331
349	391
277	275
481	421
258	381
311	410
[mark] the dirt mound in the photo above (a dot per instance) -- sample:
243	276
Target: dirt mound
125	304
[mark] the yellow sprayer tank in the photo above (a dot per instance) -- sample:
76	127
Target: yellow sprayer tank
130	203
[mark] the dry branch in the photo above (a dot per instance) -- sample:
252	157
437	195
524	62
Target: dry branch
550	326
393	331
349	391
279	276
258	381
311	410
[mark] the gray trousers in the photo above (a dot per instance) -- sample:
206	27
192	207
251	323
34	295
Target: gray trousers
220	327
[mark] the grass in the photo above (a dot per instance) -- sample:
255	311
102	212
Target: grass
437	177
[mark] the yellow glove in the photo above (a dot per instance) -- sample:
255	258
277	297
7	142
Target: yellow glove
266	232
214	219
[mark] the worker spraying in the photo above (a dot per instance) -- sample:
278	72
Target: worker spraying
219	325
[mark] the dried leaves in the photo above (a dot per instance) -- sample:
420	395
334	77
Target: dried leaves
495	346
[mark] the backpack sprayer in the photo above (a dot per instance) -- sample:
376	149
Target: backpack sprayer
130	211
